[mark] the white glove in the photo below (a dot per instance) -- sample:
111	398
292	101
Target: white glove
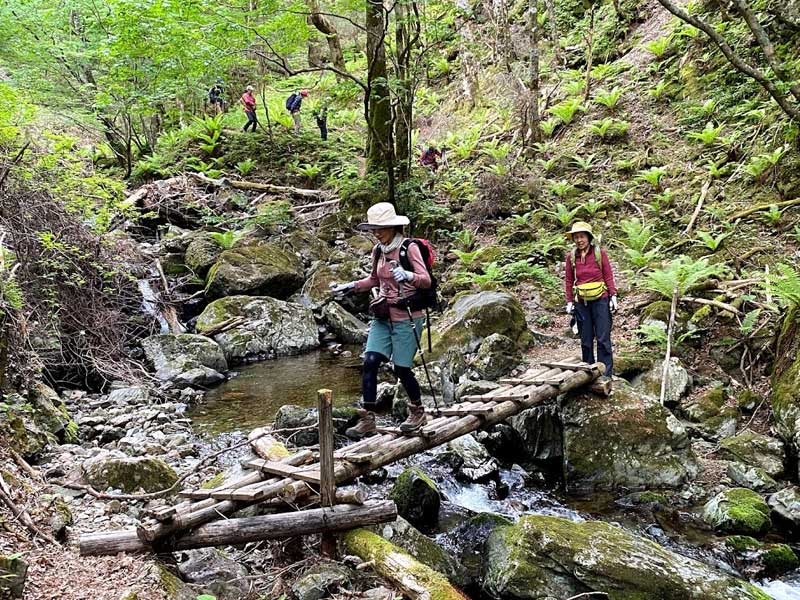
570	308
342	288
401	274
612	303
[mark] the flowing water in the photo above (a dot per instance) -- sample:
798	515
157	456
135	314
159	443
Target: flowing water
253	395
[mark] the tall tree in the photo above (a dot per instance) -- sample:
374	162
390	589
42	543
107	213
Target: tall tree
407	31
326	27
378	102
534	118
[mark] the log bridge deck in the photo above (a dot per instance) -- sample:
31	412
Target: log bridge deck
306	478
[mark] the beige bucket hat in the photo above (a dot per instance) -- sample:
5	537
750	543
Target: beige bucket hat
382	215
580	227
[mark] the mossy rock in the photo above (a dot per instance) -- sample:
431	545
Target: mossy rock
755	449
740	543
201	254
779	559
738	510
678	382
129	474
785	397
13	573
632	362
316	290
707	404
259	270
544	556
753	478
417	498
747	400
309	247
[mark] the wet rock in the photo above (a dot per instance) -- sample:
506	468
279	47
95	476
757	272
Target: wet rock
468	540
271	327
348	329
13	573
417	498
545	556
497	356
401	533
785	506
259	270
291	416
753	478
185	359
737	510
201	254
678	382
785	397
474	317
317	291
115	470
470	459
379	593
502	441
321	581
643	445
539	431
757	450
759	561
211	572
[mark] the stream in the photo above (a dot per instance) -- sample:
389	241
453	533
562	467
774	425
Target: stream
252	396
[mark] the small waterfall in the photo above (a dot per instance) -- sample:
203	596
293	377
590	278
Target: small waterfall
149	304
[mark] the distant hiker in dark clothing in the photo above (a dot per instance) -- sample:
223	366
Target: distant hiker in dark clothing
293	103
430	158
321	116
591	294
216	97
249	104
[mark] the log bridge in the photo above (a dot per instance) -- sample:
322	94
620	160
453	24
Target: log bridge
306	479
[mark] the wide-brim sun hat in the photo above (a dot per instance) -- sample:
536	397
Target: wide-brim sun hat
580	227
381	216
249	88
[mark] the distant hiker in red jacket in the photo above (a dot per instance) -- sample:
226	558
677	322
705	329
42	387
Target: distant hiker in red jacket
591	294
249	104
430	158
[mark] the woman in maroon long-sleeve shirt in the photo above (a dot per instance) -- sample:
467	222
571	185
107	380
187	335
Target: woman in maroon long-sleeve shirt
591	294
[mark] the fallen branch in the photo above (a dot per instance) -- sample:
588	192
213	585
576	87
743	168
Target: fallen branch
665	370
750	211
14	161
715	303
225	325
21	513
260	187
314	205
696	213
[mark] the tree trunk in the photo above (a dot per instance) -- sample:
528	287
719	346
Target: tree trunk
326	27
534	117
378	109
406	32
551	19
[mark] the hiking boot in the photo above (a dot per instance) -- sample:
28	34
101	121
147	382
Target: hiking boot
365	426
416	418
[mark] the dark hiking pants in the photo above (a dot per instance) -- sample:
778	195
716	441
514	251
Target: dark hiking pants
251	120
594	320
323	128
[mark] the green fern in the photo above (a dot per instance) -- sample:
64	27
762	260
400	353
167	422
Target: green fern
592	207
609	99
637	234
708	136
467	258
772	216
784	285
548	126
710	241
245	166
660	92
562	188
225	239
659	47
567	110
653	176
682	274
763	164
496	151
584	163
609	128
563	215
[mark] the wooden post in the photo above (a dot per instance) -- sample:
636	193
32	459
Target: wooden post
327	479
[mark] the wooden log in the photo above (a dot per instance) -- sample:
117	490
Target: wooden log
415	579
569	366
307	474
601	387
327	479
249	529
266	446
260	187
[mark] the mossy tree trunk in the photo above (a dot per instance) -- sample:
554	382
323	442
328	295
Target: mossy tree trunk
326	27
406	38
378	109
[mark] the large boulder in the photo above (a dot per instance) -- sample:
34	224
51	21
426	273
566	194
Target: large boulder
271	327
346	327
316	290
540	437
752	478
643	444
210	571
474	317
417	498
755	449
497	356
260	270
470	459
201	254
786	381
36	420
129	474
185	359
542	557
737	510
678	381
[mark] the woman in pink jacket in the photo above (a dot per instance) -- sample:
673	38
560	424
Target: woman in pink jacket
392	334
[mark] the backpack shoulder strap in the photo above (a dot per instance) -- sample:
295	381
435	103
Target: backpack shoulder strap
598	254
405	261
572	258
376	253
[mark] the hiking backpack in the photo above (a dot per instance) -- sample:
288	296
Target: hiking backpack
290	101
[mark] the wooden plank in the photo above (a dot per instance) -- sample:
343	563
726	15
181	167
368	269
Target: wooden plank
497	398
307	474
586	368
457	412
396	431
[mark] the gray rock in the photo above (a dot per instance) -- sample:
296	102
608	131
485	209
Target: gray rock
259	270
544	557
115	470
321	581
417	498
721	426
539	431
470	459
134	396
737	510
474	388
201	254
753	478
210	571
497	356
13	572
757	450
627	440
785	506
706	405
271	327
348	329
185	358
291	416
678	382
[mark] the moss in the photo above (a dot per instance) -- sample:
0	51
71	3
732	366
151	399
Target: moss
213	481
652	498
71	433
417	498
372	547
740	543
170	583
747	400
738	510
780	558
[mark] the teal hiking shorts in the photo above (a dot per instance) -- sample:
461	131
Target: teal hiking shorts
395	340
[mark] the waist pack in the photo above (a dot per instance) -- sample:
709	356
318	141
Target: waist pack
589	292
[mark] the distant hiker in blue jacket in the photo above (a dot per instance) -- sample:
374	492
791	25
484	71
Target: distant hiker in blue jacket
293	104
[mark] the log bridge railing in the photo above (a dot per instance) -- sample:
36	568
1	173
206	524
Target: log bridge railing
305	478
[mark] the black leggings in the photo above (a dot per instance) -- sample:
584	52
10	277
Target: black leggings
369	380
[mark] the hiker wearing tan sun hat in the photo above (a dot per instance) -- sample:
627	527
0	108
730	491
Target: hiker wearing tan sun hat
398	271
591	294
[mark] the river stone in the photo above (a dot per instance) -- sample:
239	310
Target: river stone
305	244
785	506
201	254
292	416
118	471
539	434
737	510
316	290
13	572
401	533
755	449
470	459
129	396
185	359
706	405
417	498
753	478
551	557
678	382
210	571
348	329
321	581
260	270
474	317
643	445
271	327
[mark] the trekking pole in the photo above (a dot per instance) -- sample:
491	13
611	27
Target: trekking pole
421	351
